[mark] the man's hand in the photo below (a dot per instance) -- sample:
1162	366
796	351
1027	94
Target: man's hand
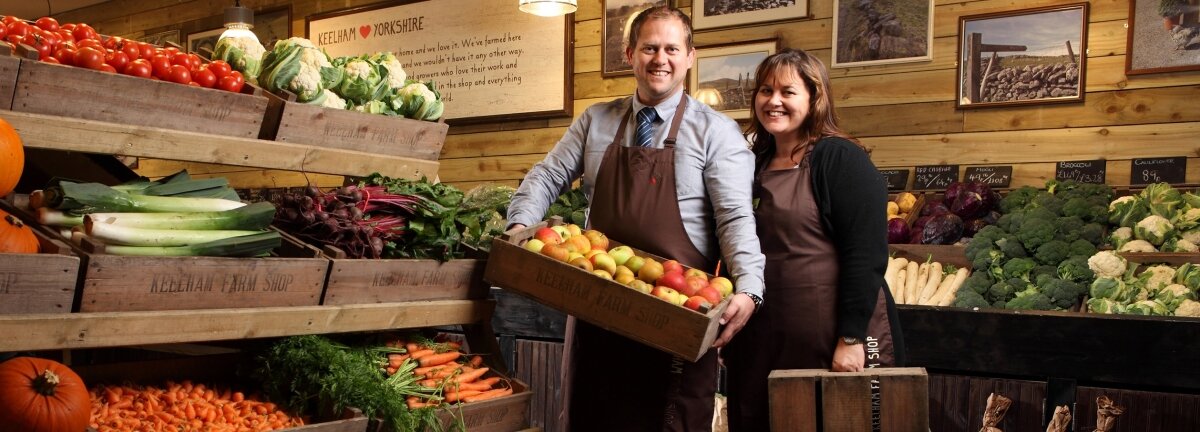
736	314
516	226
848	358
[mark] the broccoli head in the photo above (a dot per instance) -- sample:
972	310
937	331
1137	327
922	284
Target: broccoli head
1093	233
1036	232
1004	290
970	299
1048	201
1043	270
1011	222
1018	199
978	282
1052	252
1018	268
1085	209
1030	300
1076	269
1068	228
1081	248
1063	293
1010	247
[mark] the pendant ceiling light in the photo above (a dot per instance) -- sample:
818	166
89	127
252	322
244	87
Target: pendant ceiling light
548	8
238	21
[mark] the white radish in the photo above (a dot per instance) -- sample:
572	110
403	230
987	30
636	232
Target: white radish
952	292
930	287
889	276
901	279
947	280
910	281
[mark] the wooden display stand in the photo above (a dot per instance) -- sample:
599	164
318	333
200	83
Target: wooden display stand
361	281
9	66
812	400
38	283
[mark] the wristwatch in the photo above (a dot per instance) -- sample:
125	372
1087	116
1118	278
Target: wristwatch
756	299
848	340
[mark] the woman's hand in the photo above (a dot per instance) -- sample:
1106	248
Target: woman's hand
848	358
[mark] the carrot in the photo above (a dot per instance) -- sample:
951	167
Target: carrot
478	385
430	383
416	355
488	395
437	359
476	361
470	376
411	347
452	397
425	370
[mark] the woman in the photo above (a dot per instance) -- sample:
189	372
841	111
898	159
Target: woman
821	216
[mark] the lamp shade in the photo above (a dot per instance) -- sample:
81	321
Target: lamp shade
238	22
548	8
710	97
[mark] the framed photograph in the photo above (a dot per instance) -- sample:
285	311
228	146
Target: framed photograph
203	42
723	76
273	25
1003	61
618	18
707	14
882	32
1164	36
161	38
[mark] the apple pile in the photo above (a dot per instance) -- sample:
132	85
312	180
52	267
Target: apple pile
668	280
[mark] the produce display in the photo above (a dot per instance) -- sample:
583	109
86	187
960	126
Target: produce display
669	280
1036	255
78	44
898	211
443	367
928	283
962	211
15	236
182	406
1158	290
39	395
381	217
12	158
1158	219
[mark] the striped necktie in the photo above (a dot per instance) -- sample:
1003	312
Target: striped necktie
645	127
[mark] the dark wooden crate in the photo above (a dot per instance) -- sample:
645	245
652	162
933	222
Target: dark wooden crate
1144	410
9	66
811	400
1025	413
44	282
539	363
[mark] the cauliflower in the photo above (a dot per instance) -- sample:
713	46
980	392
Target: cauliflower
330	99
243	53
1179	245
421	102
298	41
1187	220
307	83
1120	236
1107	264
1157	276
1190	308
1154	229
359	69
1137	246
297	66
1112	206
1192	236
396	76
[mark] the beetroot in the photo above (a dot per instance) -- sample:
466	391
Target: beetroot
897	231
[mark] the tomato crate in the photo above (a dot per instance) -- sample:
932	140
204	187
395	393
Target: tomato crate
361	281
44	282
51	89
9	66
219	370
301	123
602	302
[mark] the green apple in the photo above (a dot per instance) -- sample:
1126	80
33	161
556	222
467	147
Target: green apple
723	285
635	263
620	254
572	255
680	299
562	231
696	272
573	229
604	262
534	245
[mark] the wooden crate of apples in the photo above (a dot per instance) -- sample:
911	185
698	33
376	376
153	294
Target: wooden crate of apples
584	273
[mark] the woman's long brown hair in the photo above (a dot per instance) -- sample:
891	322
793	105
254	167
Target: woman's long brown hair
821	121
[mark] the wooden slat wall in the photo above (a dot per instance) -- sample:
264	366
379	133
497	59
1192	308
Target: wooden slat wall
904	112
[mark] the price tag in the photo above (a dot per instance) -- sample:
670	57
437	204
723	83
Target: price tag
932	177
994	176
1158	170
897	179
1081	171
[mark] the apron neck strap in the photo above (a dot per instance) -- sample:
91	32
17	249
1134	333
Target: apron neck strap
672	133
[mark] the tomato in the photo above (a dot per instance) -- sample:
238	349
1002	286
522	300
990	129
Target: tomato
146	49
89	58
65	54
132	50
117	59
205	77
67	26
65	35
51	59
38	43
161	65
51	38
90	43
180	74
105	67
47	23
182	59
195	61
170	51
8	20
19	28
232	82
220	68
14	39
84	31
139	68
113	42
3	31
194	84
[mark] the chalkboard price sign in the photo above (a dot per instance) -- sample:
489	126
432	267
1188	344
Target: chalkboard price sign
1092	171
994	176
1158	170
931	177
897	179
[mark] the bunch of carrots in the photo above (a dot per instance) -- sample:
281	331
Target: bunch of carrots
182	406
443	367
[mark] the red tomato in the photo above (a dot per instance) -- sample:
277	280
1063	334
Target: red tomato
51	59
205	77
8	20
117	59
66	55
180	74
51	38
47	23
38	43
14	39
132	50
3	31
107	68
139	68
220	68
161	65
84	31
19	28
113	42
65	35
90	43
194	84
148	50
67	27
89	58
232	82
170	51
182	60
195	61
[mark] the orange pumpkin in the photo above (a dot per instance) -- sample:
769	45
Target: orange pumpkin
12	158
39	395
15	236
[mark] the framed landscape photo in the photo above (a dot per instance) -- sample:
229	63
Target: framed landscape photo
723	77
1164	36
1029	56
203	42
273	25
708	14
881	32
618	18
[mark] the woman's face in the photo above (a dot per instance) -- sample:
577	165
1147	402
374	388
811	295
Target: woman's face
781	103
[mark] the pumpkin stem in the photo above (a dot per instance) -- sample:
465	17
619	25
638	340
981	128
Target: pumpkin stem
12	220
46	383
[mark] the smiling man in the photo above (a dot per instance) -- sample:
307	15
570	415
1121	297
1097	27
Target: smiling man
665	174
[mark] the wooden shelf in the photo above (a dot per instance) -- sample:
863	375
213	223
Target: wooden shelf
33	332
62	133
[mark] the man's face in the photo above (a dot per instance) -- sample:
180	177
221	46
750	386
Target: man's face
661	59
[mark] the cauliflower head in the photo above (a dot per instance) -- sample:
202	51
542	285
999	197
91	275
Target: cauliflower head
1154	229
1137	246
1189	308
1157	277
1107	264
396	77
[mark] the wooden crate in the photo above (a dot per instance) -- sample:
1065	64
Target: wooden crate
945	254
359	281
602	302
209	370
39	283
9	66
1144	410
892	399
313	125
502	414
44	88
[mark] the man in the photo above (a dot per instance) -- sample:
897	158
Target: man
676	184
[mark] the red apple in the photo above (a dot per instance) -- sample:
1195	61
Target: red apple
693	284
672	265
711	294
547	236
598	239
674	280
556	252
696	302
662	292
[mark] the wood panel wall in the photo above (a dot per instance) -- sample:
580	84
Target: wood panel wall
904	112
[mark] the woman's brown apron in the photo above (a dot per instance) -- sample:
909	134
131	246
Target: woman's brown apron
615	383
796	328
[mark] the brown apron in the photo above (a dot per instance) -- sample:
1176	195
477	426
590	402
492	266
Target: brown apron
796	328
621	384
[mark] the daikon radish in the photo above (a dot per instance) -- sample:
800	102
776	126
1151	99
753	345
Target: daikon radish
930	287
901	279
893	268
952	293
910	282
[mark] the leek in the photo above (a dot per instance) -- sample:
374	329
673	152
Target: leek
51	217
255	216
257	244
96	198
123	235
